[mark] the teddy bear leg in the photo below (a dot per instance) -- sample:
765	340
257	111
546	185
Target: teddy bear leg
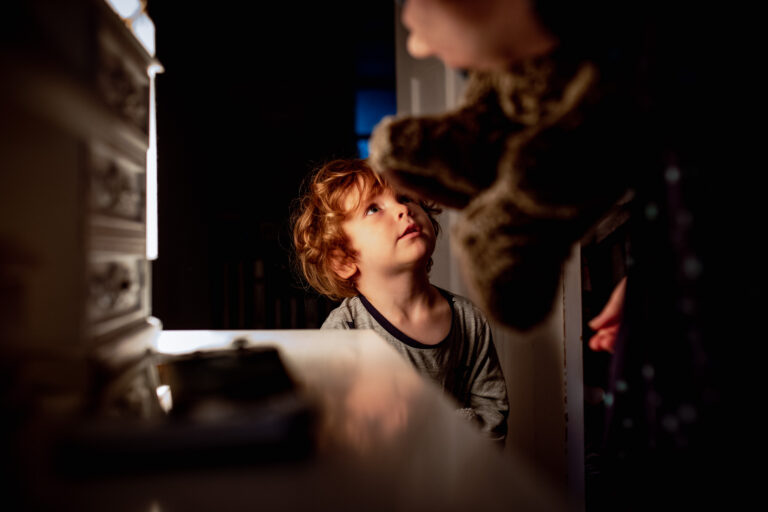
511	269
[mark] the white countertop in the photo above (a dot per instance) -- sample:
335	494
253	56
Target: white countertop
387	440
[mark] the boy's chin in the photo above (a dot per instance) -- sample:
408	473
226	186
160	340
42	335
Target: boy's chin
420	265
422	240
411	264
421	251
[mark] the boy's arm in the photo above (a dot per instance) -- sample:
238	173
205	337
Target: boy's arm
488	390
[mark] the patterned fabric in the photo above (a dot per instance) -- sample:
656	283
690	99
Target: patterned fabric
666	439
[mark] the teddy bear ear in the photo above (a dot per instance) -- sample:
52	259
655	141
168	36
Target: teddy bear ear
343	265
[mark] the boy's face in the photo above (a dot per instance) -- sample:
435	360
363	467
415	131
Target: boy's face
389	231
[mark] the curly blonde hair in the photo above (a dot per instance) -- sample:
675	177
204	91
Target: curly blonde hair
318	237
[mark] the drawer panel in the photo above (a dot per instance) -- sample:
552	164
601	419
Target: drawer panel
121	76
117	292
117	185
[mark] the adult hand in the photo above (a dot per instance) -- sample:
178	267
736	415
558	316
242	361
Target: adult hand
607	323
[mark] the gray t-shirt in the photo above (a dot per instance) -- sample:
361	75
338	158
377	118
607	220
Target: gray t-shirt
464	364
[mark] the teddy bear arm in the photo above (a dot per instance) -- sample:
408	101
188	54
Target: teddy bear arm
511	261
449	158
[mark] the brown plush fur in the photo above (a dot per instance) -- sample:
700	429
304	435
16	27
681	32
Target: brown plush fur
533	157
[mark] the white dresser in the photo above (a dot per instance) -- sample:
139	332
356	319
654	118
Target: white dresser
75	282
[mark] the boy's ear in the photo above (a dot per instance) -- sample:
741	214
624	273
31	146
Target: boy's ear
343	265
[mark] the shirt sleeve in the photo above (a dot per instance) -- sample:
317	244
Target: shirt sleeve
488	389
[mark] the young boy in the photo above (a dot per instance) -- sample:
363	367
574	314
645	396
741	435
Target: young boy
358	240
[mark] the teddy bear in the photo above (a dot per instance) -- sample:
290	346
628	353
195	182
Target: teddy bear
533	156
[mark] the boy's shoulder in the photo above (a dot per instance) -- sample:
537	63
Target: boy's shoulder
349	304
468	317
462	303
343	316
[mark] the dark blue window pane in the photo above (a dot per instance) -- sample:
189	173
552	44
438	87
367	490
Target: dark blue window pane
370	106
362	148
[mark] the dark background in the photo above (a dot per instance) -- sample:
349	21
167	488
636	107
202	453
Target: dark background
254	96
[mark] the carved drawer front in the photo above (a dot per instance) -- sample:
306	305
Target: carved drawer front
116	292
117	185
134	395
122	77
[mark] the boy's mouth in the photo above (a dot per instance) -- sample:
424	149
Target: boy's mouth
412	228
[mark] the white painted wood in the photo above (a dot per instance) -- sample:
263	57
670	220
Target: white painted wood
574	377
390	436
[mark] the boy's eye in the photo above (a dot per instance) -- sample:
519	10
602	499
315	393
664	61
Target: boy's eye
405	199
371	209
